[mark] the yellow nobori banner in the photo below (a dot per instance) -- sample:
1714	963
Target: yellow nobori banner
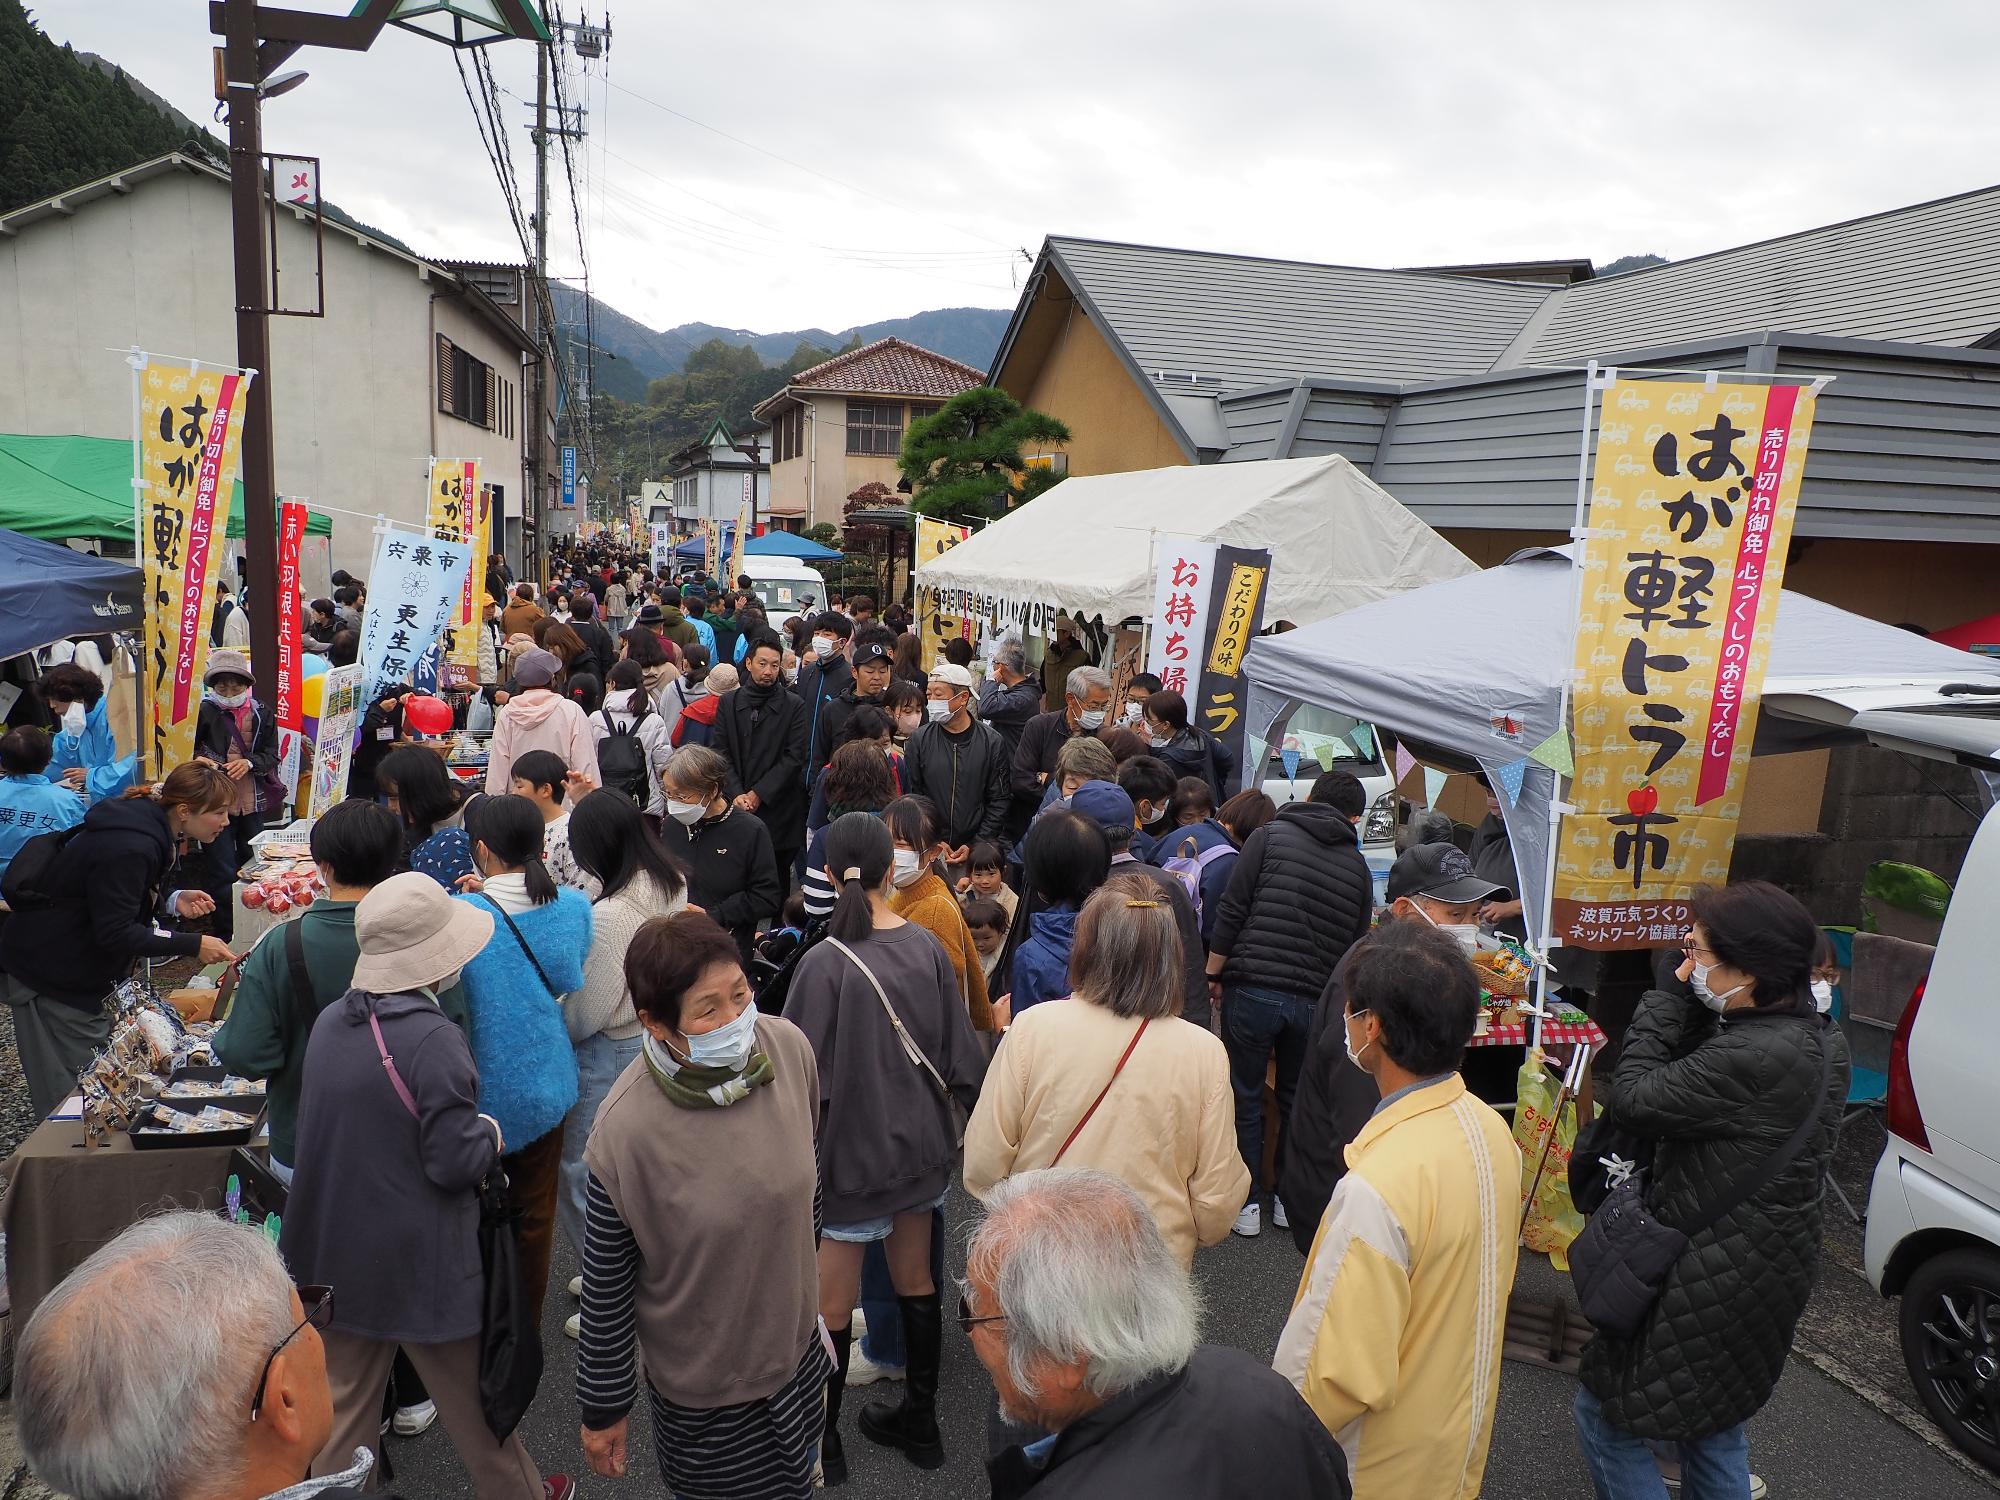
452	515
1692	497
934	538
190	433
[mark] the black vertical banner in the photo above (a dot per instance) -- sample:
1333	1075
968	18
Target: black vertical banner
1235	614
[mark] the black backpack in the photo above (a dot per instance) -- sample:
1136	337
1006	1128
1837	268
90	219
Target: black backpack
622	765
32	871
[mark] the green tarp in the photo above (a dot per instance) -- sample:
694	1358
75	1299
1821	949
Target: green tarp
60	487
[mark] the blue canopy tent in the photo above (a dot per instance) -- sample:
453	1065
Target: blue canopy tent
52	592
789	544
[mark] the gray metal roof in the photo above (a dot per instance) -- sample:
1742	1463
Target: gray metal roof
1929	274
1189	319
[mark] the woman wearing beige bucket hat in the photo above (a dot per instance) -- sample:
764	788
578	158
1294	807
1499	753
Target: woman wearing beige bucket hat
385	1204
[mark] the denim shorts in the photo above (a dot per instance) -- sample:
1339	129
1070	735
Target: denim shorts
868	1231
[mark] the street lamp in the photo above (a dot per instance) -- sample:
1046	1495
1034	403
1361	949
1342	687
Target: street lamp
258	40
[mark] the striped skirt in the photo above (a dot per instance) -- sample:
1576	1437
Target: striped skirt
755	1450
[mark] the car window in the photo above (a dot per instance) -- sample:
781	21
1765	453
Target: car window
1326	741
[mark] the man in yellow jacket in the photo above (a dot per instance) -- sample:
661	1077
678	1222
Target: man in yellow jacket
1394	1339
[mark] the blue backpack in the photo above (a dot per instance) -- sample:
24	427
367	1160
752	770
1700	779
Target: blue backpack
1188	867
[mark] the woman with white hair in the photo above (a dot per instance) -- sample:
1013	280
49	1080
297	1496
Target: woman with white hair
1090	1327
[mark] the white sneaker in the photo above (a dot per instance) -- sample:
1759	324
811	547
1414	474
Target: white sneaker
861	1370
413	1420
1250	1223
576	1286
1278	1219
573	1325
859	1323
1758	1489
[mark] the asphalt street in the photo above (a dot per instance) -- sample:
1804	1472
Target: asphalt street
1817	1437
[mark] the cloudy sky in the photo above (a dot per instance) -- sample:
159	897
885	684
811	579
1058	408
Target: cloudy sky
798	164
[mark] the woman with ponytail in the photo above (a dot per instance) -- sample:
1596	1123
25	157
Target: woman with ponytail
514	990
880	1004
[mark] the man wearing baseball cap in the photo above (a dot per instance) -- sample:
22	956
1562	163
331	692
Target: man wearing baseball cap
961	764
1431	884
873	650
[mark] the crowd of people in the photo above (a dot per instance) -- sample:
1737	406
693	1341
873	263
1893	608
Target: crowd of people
758	941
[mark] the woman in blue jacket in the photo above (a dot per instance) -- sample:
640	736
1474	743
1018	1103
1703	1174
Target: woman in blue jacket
513	993
1065	858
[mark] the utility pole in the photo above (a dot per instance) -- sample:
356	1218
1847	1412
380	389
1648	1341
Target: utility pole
533	511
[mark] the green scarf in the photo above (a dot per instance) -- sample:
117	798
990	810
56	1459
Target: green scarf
694	1087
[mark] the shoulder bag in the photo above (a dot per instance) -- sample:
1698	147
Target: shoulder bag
954	1111
1621	1260
540	973
1123	1058
510	1343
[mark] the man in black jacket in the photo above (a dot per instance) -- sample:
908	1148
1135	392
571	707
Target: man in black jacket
599	651
1154	1413
960	764
1011	698
1087	701
1431	883
823	677
874	652
1298	898
761	729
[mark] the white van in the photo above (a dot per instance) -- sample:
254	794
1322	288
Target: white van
785	585
1933	1231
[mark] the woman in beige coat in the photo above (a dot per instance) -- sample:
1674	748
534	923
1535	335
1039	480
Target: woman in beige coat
1112	1078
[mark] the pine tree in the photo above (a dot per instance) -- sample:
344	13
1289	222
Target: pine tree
965	459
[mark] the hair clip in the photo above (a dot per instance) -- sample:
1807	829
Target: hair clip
853	873
1140	905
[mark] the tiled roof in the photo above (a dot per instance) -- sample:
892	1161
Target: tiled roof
891	367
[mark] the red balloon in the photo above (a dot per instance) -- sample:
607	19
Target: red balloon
427	716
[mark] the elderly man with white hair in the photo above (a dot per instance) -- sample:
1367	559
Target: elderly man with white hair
1090	1327
179	1363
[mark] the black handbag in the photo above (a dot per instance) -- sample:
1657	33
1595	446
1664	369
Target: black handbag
1621	1260
1605	1154
510	1343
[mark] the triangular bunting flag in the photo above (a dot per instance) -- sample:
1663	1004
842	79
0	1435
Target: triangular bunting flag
1508	779
1405	763
1433	785
1364	740
1554	752
1291	759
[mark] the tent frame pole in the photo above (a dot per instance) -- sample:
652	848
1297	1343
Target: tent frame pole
1580	541
135	360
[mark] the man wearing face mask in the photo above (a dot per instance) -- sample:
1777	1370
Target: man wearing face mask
960	764
1431	885
1011	697
1395	1338
1064	656
1086	703
872	654
823	677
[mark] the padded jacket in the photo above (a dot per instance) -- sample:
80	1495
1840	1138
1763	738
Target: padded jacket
1716	1097
1298	898
966	778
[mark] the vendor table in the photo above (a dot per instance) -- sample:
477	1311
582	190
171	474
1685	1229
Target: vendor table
65	1202
1554	1034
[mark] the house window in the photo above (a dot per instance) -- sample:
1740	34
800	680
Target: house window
503	408
921	409
788	434
875	427
465	385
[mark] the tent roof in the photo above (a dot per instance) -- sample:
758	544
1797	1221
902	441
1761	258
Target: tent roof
57	487
1337	539
52	592
787	544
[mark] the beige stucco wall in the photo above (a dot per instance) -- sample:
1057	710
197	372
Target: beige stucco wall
817	483
355	413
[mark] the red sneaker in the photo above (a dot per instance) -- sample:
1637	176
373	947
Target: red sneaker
558	1487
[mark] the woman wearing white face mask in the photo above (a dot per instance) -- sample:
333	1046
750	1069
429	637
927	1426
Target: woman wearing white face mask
922	896
1187	750
700	1240
1716	1082
732	873
235	732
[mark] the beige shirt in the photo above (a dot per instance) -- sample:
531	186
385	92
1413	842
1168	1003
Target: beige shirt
1167	1127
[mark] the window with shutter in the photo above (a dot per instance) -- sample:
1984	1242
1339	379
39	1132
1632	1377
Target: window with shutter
488	397
445	371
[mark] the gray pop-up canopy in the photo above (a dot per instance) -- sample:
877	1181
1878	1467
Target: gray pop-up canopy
1472	668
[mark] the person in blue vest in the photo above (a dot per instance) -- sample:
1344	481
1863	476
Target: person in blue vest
30	803
84	755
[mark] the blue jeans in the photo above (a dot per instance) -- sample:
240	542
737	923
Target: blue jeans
1255	1024
599	1061
1621	1463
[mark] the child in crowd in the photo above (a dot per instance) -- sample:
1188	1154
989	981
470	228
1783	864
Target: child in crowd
988	922
542	778
985	880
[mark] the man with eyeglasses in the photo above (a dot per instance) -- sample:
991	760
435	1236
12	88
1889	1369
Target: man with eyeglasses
180	1362
1089	1326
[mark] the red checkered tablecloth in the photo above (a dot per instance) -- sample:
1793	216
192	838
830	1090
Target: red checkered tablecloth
1554	1034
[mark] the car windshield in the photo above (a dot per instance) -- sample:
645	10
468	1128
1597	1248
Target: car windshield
1323	741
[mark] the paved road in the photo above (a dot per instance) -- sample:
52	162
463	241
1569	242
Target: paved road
1816	1438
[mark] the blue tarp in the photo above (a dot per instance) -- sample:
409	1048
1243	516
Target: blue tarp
51	592
770	544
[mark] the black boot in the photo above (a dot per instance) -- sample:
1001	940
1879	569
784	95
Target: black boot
832	1459
912	1426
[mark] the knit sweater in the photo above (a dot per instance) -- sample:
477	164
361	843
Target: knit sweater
604	1004
527	1067
929	903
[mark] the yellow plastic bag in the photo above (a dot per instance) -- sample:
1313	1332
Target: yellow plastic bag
1549	1222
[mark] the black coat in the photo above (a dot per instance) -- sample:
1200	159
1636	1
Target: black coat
1298	898
819	687
833	716
1717	1097
600	651
1334	1101
967	778
1008	709
1200	755
213	739
104	908
731	872
1034	763
766	746
1224	1427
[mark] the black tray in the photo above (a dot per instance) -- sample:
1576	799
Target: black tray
158	1140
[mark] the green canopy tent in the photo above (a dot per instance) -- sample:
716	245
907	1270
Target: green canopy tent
60	487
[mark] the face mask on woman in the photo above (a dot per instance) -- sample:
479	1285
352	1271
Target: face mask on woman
689	813
1707	996
908	722
73	719
230	700
1822	993
909	868
728	1046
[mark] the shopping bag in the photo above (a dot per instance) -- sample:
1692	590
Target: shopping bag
510	1344
1546	1135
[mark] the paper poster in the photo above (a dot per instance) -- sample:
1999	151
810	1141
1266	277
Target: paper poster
1691	510
1178	625
936	625
414	589
339	713
189	437
286	705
